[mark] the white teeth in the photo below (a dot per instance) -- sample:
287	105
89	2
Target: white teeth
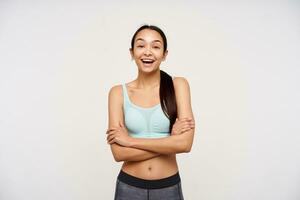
147	60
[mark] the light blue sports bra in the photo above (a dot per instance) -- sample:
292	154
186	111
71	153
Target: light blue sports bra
144	122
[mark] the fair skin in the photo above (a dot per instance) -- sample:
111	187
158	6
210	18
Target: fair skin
155	157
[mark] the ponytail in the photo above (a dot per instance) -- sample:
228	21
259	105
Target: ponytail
167	97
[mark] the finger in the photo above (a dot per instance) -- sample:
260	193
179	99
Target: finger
190	128
113	132
111	129
185	129
110	140
110	136
114	140
187	126
192	123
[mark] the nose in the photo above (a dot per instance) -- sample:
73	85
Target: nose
147	51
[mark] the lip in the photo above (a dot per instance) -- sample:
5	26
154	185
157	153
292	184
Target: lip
148	64
148	59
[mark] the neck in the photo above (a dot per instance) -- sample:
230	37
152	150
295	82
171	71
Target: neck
148	81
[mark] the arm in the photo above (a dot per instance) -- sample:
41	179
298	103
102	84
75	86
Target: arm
115	111
168	145
130	154
174	143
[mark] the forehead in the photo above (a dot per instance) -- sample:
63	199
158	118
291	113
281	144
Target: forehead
148	35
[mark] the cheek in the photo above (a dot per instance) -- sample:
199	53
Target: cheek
137	52
158	54
137	56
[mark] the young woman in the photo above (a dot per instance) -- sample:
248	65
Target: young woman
150	121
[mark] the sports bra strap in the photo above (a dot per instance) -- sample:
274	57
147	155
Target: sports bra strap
125	94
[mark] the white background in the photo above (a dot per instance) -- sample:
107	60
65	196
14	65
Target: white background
58	60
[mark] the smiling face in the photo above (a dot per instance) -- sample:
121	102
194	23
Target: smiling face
148	50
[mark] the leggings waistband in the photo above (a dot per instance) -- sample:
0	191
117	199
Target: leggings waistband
149	184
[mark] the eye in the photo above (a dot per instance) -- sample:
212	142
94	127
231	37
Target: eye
140	46
157	47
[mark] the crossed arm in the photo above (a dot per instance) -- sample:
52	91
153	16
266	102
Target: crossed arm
143	149
122	153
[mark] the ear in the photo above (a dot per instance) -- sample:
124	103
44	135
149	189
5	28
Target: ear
131	53
165	55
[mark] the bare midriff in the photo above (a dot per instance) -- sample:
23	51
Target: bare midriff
155	168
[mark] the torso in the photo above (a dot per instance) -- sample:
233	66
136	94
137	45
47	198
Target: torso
155	168
160	166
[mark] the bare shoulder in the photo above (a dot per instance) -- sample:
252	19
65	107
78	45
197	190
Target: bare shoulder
180	83
183	97
115	103
115	93
115	89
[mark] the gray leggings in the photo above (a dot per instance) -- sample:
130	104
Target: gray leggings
127	192
131	191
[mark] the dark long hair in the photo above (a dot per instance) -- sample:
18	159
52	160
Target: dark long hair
166	89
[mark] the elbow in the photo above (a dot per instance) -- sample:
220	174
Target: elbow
188	148
121	158
183	146
116	152
118	159
183	149
188	142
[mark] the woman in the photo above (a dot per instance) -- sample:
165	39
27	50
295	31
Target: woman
150	121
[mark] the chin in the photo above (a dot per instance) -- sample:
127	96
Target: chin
149	69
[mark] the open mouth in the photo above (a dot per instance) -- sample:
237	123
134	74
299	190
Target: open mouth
147	61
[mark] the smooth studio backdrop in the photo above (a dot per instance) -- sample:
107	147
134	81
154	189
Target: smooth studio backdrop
58	60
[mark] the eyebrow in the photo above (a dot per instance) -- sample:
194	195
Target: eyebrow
144	40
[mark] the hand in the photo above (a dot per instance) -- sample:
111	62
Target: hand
182	125
118	135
